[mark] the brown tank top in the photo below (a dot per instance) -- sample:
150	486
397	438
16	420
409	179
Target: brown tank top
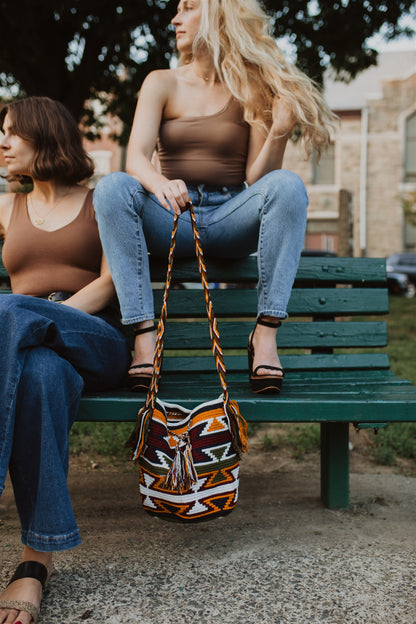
206	150
41	262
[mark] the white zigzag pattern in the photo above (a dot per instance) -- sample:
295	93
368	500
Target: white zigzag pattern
165	460
210	453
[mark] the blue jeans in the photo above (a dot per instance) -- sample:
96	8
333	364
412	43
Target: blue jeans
268	217
48	354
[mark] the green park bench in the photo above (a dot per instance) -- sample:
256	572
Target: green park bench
334	376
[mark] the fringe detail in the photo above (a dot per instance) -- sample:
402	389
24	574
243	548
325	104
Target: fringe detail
238	426
139	436
182	474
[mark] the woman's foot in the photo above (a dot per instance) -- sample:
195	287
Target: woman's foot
140	371
265	370
25	591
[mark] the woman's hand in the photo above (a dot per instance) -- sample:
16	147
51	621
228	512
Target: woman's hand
283	117
171	194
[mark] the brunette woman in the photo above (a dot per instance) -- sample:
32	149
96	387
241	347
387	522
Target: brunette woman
59	334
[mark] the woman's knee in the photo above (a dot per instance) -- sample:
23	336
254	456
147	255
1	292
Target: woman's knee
44	364
47	379
113	189
287	181
287	188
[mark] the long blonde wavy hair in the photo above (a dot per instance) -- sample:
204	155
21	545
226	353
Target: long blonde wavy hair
248	62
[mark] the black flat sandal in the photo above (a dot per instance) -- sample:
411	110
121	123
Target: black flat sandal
140	382
27	569
266	384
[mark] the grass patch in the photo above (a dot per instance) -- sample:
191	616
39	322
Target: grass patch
396	440
300	438
106	439
402	336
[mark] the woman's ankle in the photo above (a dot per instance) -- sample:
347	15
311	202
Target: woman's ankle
149	323
46	558
144	343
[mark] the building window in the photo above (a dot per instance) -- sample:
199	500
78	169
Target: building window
321	241
324	171
410	149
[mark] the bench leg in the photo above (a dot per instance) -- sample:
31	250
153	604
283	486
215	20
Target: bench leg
335	465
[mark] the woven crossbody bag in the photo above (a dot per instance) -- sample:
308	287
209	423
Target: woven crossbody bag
189	459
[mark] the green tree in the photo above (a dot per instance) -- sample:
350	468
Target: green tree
73	50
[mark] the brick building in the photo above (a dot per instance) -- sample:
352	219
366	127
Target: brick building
357	191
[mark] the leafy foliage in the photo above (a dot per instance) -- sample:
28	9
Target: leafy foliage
76	50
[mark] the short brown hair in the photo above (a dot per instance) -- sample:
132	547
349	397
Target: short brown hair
52	130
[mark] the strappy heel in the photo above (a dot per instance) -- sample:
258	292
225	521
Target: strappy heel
266	383
140	382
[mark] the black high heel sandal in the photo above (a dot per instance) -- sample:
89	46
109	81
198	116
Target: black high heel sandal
267	384
140	382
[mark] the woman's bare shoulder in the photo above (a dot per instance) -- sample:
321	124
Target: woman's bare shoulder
160	79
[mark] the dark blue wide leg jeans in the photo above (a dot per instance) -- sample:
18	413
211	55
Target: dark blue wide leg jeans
48	354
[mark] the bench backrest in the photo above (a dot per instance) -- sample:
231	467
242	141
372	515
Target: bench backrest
330	292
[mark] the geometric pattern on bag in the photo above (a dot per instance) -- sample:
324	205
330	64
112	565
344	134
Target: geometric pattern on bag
189	459
215	491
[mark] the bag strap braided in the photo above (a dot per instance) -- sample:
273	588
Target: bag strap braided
238	425
212	321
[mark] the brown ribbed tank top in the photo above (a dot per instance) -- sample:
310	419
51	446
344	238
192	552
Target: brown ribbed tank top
41	262
205	150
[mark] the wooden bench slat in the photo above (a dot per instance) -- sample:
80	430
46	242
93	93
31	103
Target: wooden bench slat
340	270
390	401
234	334
307	362
303	301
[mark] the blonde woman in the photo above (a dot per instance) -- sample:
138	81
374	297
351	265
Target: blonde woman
221	121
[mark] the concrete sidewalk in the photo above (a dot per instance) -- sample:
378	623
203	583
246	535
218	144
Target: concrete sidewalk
279	558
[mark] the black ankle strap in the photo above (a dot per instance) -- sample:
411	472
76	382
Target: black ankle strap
144	330
31	569
274	324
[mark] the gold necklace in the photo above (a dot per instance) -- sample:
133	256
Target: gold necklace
38	219
202	77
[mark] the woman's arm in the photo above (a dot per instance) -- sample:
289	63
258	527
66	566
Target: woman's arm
266	154
147	119
96	295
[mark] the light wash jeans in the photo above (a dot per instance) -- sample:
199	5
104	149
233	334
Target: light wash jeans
48	353
268	217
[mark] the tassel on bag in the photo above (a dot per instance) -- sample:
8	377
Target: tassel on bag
182	474
238	428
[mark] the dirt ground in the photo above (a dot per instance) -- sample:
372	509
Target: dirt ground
279	558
